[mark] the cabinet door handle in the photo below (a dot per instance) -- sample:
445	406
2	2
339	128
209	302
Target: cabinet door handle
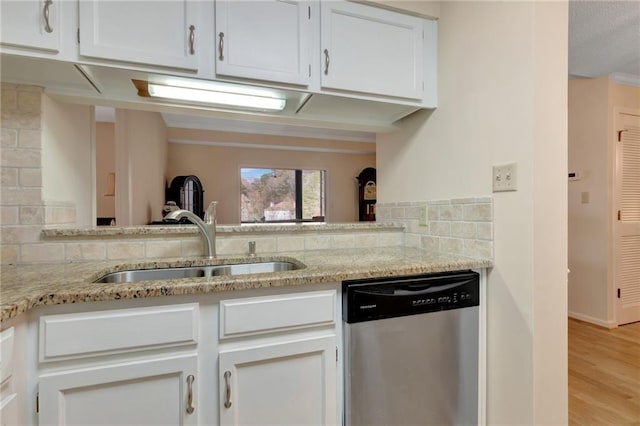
190	407
326	62
227	384
221	46
192	39
47	25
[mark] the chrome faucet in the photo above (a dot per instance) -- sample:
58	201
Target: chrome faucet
207	228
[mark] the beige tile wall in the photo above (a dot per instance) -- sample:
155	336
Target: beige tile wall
461	226
21	198
23	212
153	246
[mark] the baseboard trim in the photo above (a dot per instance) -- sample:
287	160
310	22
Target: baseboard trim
593	320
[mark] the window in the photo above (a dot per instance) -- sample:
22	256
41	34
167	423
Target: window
282	195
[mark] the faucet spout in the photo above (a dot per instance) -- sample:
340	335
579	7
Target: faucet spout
207	227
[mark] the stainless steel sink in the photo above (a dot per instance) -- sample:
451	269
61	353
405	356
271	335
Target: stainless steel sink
135	275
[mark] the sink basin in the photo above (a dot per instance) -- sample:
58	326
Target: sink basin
151	274
135	275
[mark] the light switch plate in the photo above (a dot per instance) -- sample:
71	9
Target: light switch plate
584	197
505	177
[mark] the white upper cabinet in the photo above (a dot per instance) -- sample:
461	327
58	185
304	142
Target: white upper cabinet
163	33
370	50
264	40
31	23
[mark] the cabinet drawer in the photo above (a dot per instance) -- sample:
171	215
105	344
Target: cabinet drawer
122	330
258	315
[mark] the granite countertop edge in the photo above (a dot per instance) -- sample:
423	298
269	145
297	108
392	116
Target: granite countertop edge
27	287
245	229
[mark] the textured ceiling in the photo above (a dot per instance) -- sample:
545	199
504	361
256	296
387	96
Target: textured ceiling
604	38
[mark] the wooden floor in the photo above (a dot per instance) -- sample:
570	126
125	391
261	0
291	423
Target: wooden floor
604	374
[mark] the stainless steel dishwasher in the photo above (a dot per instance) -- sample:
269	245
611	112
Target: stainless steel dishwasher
411	350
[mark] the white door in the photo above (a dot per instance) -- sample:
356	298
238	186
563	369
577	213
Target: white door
164	32
264	40
292	383
150	392
370	50
627	227
31	23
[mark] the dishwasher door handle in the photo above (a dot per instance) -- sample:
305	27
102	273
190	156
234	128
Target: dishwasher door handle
416	289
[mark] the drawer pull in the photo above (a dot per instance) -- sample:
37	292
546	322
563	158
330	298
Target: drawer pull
192	39
327	60
221	46
47	25
227	384
190	407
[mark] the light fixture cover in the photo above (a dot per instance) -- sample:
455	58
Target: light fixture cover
216	94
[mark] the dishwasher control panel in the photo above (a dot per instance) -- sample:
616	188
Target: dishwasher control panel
444	300
378	298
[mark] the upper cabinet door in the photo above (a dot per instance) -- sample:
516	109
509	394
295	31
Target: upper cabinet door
264	40
163	33
31	23
370	50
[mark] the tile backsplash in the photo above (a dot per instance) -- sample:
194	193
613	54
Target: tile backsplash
462	226
156	244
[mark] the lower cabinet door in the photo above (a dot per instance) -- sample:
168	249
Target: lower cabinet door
150	392
289	383
9	410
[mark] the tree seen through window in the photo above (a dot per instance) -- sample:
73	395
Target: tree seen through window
282	195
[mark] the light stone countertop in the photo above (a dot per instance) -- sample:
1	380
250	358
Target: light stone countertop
25	287
263	228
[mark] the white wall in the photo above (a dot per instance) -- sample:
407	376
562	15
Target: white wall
502	98
588	230
141	162
68	157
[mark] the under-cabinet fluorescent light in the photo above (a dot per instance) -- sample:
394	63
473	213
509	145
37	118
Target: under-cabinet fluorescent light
226	97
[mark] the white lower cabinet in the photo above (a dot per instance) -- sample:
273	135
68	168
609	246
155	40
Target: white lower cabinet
9	403
149	392
9	410
264	358
288	383
277	360
135	366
